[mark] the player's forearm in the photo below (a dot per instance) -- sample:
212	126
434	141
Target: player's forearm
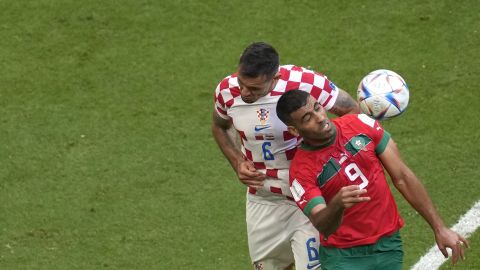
226	144
328	219
416	195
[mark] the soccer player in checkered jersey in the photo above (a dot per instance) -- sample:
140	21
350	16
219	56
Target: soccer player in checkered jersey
279	235
337	179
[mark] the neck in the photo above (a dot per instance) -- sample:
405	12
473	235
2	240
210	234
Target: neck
319	143
315	144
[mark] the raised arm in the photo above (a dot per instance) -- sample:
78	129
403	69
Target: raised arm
344	104
245	169
415	193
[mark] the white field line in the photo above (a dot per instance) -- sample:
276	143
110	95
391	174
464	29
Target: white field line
467	224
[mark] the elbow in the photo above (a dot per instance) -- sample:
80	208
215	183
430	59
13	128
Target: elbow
402	177
325	229
356	109
326	232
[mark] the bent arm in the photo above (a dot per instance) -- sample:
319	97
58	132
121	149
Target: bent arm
344	104
225	141
223	133
327	218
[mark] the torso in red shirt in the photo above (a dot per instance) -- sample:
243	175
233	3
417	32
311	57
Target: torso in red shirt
317	174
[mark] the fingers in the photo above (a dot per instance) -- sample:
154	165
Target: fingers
351	201
458	250
256	184
351	188
353	193
249	176
455	253
246	171
464	241
444	251
257	176
452	240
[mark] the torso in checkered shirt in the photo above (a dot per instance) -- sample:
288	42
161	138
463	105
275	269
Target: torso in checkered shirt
265	139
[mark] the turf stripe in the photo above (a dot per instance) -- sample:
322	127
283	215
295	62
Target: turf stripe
466	226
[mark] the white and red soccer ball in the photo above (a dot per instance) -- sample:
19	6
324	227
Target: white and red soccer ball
383	94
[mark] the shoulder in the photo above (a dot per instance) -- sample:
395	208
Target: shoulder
294	77
303	163
228	82
357	121
227	88
362	124
288	71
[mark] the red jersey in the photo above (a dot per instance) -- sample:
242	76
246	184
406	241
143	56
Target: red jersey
317	174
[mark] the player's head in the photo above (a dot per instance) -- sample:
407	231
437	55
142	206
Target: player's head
305	117
257	71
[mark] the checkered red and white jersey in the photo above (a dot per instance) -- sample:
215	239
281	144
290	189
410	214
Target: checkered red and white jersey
265	139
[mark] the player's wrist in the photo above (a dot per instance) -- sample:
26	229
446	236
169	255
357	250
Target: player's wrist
439	229
236	162
337	205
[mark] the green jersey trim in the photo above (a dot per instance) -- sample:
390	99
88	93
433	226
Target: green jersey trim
383	143
312	203
330	169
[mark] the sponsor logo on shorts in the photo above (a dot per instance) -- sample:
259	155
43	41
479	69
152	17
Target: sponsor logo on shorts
313	266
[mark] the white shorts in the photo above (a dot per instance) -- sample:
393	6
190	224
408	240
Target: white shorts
279	234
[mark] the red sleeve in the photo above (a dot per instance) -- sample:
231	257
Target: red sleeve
304	188
375	131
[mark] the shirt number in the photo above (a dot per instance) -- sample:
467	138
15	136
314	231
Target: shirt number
353	172
267	155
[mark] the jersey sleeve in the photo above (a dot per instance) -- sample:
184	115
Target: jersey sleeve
304	189
220	99
315	83
329	94
324	90
374	130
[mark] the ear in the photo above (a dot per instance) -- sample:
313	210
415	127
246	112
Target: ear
277	76
293	131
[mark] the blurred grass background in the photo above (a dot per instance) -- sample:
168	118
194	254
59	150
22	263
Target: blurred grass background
106	157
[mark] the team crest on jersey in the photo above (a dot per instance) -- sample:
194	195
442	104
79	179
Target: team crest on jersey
358	143
262	115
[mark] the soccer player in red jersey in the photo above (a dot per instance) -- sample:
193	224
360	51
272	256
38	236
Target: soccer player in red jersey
337	179
279	234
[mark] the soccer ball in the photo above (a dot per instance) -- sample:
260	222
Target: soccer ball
383	94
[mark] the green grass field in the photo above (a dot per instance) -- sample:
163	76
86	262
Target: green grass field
106	156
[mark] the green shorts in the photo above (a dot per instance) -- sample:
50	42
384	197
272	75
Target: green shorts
386	253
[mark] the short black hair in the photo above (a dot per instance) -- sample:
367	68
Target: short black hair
259	58
290	102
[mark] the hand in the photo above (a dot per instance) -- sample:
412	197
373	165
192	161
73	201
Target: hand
349	196
448	238
248	175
